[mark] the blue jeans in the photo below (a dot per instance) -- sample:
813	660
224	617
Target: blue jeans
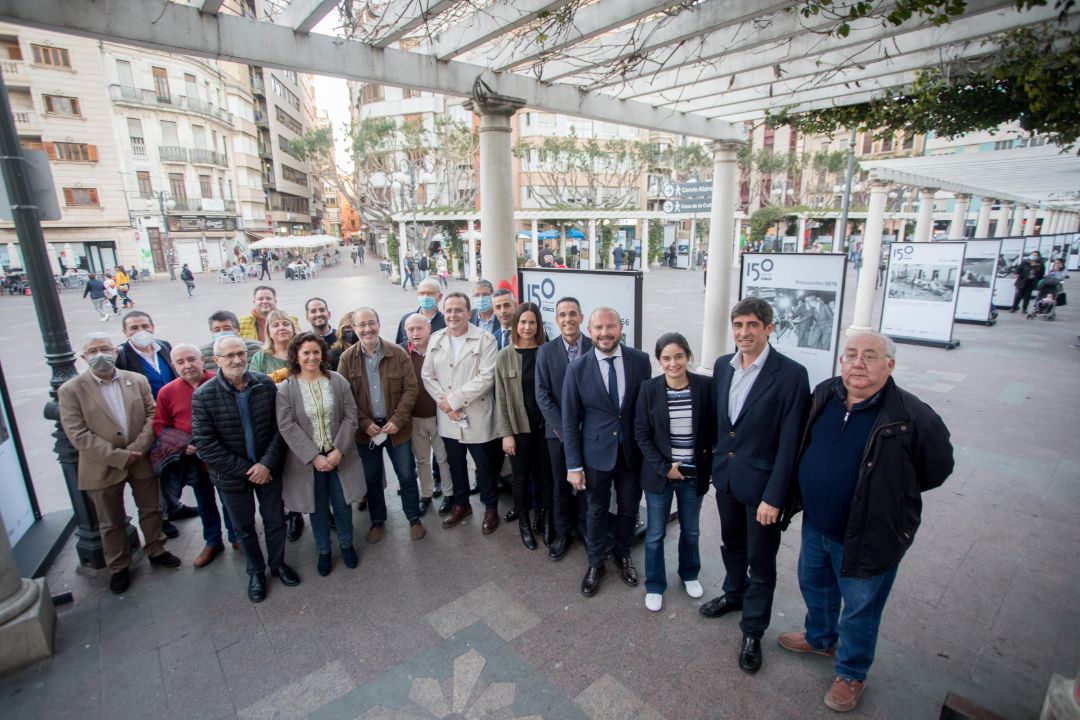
189	471
823	589
328	492
658	507
401	457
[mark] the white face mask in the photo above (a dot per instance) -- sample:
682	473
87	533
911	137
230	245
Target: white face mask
142	339
101	362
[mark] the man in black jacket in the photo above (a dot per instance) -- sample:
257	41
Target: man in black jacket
869	452
234	426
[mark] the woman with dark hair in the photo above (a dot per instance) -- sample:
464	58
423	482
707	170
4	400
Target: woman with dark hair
520	423
346	338
316	416
672	429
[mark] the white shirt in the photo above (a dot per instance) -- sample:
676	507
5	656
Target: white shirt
620	371
742	380
456	343
150	355
114	398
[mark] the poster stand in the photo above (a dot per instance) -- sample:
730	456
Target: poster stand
921	293
974	300
593	288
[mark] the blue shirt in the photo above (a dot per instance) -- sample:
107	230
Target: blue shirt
159	376
829	469
245	418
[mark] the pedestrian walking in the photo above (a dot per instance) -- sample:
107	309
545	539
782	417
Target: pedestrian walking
96	290
111	292
123	286
360	253
442	269
264	265
189	278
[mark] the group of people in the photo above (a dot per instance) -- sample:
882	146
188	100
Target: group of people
113	287
421	266
299	422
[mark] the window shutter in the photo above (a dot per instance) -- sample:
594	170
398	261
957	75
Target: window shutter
91	153
50	150
94	197
69	197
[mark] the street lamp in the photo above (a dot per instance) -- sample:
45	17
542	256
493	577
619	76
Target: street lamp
410	177
165	203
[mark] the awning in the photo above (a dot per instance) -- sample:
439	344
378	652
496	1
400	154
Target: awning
288	242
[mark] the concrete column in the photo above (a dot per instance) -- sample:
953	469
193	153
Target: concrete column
27	615
609	259
1029	221
737	248
644	245
535	243
499	256
924	225
802	234
901	232
716	332
402	249
1017	220
1002	229
470	254
959	216
594	253
982	225
864	292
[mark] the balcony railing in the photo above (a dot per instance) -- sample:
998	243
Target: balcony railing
206	157
268	181
172	153
289	204
261	118
138	147
257	86
13	70
187	204
264	151
151	98
25	117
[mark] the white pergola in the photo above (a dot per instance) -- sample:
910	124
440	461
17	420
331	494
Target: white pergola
697	69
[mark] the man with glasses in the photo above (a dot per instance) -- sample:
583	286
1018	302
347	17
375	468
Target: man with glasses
870	451
760	399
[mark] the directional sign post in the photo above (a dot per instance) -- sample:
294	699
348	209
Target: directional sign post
690	198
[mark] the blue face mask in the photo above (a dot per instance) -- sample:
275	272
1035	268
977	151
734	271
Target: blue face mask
426	302
227	333
482	303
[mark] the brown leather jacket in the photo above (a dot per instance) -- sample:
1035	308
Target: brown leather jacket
398	380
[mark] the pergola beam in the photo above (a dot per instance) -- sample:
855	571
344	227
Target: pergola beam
487	24
304	15
211	7
183	29
759	113
404	16
840	91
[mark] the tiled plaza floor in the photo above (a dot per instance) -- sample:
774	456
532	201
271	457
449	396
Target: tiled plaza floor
462	625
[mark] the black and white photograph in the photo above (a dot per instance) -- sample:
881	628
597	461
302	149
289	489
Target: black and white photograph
977	272
803	318
912	281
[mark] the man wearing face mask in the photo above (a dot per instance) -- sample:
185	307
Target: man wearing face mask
483	314
108	415
318	316
428	295
145	354
223	324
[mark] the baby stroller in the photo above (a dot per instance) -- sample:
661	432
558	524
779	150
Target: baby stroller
1048	290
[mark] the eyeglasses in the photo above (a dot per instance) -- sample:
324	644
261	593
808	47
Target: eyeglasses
369	324
868	358
238	355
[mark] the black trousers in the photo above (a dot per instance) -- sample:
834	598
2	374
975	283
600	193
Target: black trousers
749	554
570	508
1023	295
488	457
598	486
531	463
241	507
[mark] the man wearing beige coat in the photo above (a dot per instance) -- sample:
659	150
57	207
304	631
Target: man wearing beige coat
459	374
108	415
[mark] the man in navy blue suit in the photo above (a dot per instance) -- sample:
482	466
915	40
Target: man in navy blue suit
762	401
552	359
598	399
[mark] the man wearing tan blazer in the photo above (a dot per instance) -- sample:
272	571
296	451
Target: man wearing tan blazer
108	415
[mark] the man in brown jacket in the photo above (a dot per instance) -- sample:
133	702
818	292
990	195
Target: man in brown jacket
108	415
384	386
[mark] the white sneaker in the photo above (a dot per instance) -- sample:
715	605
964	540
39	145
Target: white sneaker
693	588
654	601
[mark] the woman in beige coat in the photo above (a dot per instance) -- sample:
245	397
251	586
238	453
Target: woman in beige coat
316	416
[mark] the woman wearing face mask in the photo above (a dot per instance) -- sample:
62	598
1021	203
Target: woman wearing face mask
521	424
671	426
1028	275
346	338
280	330
316	415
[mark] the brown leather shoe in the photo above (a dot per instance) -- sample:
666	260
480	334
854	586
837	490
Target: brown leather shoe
796	642
207	556
416	530
491	522
844	695
375	533
457	514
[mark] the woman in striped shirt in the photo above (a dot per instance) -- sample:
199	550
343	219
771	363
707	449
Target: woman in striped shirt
672	428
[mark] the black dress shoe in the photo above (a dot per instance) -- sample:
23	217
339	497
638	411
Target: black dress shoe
437	492
169	530
165	559
425	503
474	490
591	582
286	575
446	506
527	538
511	515
119	581
719	606
183	512
257	587
627	572
557	548
295	526
750	655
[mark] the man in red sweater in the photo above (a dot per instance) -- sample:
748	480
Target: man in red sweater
173	411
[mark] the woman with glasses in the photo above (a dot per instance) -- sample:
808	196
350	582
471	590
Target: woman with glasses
520	422
316	416
672	429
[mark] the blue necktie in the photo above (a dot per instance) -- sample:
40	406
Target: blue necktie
612	382
505	338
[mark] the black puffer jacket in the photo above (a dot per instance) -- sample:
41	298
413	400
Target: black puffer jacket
219	435
908	452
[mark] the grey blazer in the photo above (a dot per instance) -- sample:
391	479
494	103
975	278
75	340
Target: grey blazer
298	489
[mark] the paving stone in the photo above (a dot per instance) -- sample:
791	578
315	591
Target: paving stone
300	698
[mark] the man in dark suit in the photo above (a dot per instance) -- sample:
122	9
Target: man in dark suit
504	304
598	399
552	359
761	399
